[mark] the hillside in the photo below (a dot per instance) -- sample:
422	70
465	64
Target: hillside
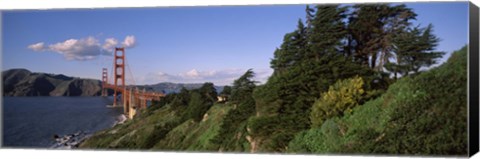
22	82
341	83
398	122
423	115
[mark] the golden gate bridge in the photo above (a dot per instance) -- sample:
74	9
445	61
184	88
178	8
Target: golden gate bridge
132	98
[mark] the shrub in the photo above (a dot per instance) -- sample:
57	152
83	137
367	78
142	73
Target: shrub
340	98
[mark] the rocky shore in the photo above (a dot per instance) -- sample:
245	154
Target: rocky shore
71	141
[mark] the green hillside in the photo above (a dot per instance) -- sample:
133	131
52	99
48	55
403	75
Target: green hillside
414	116
351	83
425	115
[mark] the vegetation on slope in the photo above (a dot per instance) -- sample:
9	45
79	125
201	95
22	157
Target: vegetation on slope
189	120
349	80
414	116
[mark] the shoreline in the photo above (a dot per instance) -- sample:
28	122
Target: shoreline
73	141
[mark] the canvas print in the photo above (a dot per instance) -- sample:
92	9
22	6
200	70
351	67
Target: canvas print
360	78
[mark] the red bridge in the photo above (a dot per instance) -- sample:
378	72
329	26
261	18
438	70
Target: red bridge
132	98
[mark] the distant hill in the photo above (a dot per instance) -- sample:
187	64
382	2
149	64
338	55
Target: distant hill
168	87
22	82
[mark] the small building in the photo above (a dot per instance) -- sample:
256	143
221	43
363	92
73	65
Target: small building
221	98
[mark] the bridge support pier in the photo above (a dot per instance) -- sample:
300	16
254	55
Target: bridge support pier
125	102
104	82
132	108
119	69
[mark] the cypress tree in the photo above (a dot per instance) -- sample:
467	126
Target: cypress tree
328	31
414	50
292	49
372	28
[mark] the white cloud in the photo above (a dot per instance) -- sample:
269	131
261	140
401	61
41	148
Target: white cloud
78	49
110	44
83	49
37	47
192	74
129	41
218	77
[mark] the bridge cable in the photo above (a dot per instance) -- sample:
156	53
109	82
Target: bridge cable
131	74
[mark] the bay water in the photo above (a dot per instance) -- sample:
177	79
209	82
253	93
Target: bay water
32	122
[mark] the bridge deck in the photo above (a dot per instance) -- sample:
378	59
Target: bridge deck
141	94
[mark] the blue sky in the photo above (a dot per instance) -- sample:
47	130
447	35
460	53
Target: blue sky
176	44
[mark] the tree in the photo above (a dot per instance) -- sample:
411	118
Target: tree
427	55
243	86
232	128
181	99
372	28
226	92
283	104
197	107
328	30
414	50
310	14
292	49
398	19
209	92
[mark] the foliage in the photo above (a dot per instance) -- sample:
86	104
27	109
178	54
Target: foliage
196	107
328	29
181	99
226	92
372	28
243	87
339	55
340	98
209	92
414	50
313	61
195	136
292	50
422	115
232	131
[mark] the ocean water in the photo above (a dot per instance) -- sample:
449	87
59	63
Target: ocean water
31	122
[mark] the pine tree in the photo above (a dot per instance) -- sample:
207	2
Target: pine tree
415	48
310	14
243	87
328	30
372	28
398	19
427	54
292	49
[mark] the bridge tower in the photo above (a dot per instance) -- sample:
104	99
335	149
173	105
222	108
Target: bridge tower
119	73
104	82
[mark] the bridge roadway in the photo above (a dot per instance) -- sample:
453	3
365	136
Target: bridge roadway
133	98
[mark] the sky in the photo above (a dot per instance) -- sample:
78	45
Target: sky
177	44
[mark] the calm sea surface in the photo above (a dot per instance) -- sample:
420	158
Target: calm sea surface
31	122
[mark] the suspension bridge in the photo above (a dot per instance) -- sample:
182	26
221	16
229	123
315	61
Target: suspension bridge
132	99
